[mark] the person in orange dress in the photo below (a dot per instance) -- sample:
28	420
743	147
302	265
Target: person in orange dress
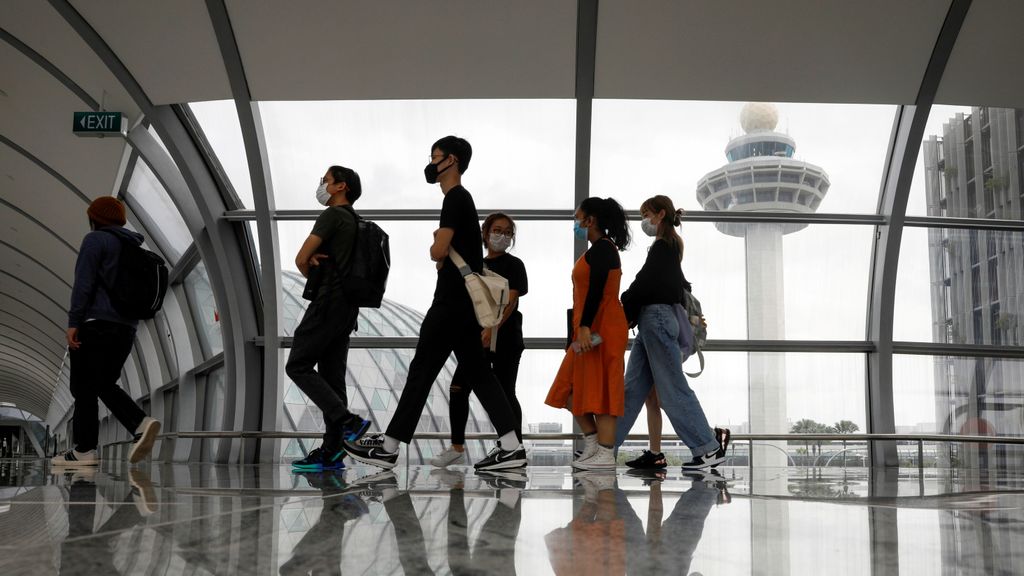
590	382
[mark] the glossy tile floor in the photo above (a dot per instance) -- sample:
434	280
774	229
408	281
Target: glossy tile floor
207	519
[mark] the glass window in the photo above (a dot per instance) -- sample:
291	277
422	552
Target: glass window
388	143
204	310
147	194
219	121
941	293
669	146
944	180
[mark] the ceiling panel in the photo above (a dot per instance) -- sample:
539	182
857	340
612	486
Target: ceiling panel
350	49
169	47
985	68
870	51
39	26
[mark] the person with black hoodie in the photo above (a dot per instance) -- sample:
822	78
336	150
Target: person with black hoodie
100	339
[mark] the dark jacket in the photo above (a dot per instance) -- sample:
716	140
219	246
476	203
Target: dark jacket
96	269
660	281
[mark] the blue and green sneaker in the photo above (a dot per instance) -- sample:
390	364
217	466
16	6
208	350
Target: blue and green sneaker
318	459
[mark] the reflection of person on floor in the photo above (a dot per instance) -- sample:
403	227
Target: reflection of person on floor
593	544
669	547
319	551
495	550
412	550
81	554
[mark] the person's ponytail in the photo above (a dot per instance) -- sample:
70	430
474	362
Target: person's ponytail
611	219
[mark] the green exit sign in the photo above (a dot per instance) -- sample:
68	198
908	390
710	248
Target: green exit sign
99	124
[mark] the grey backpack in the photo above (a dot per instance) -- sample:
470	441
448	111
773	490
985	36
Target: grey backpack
693	330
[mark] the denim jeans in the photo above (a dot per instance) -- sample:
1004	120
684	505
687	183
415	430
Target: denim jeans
656	361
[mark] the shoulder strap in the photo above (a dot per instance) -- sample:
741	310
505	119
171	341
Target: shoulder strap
464	268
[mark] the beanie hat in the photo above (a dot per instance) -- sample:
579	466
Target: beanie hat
107	211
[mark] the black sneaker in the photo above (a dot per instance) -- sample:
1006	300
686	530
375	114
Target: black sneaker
375	487
723	435
508	478
648	475
648	461
500	459
319	459
330	481
354	427
708	460
370	450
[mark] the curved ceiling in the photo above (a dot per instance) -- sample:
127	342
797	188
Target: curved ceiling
873	51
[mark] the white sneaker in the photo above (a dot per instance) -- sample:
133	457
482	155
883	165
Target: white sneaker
589	448
76	458
448	457
145	437
603	459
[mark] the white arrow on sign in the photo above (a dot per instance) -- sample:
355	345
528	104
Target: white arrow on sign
82	122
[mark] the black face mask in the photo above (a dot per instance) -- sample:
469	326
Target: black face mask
431	172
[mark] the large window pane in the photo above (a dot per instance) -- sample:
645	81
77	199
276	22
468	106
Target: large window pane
388	144
544	247
700	154
148	195
961	395
972	164
204	310
219	122
960	286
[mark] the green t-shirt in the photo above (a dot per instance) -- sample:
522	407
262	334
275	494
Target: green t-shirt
336	227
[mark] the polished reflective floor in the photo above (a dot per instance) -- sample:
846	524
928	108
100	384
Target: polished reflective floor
208	519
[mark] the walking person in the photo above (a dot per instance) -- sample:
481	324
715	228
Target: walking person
450	325
499	234
590	379
656	362
100	338
319	354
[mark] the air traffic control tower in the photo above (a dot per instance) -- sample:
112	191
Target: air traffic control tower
762	175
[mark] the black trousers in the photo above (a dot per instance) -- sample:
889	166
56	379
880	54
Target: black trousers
319	358
448	327
95	369
504	363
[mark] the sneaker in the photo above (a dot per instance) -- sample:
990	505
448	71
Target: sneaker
354	427
448	457
143	494
500	459
145	436
76	458
318	459
370	450
377	487
648	461
708	460
603	459
449	478
328	481
589	448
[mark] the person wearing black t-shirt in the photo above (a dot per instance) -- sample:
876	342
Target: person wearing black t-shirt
450	325
498	233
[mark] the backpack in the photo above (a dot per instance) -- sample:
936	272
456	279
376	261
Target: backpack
141	281
366	277
488	291
693	330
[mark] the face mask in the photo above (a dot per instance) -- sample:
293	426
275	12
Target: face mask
322	195
579	231
431	172
648	228
499	242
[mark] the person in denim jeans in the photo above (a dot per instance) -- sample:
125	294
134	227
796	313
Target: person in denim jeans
656	361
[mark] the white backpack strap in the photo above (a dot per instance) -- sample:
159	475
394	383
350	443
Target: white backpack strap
464	268
700	356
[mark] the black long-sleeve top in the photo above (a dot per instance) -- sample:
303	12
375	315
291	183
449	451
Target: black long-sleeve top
659	281
602	257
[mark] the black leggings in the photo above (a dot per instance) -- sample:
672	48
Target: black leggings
505	366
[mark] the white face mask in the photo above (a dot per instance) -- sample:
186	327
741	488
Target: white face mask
322	195
648	228
499	242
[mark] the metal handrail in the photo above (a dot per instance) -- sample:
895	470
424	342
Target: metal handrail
200	434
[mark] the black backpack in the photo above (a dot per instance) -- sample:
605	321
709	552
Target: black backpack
366	278
141	282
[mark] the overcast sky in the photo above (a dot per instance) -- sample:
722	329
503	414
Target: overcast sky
524	157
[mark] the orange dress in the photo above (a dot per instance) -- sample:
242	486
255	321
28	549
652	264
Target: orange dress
594	382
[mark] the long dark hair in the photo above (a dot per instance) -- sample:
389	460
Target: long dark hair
667	226
610	217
